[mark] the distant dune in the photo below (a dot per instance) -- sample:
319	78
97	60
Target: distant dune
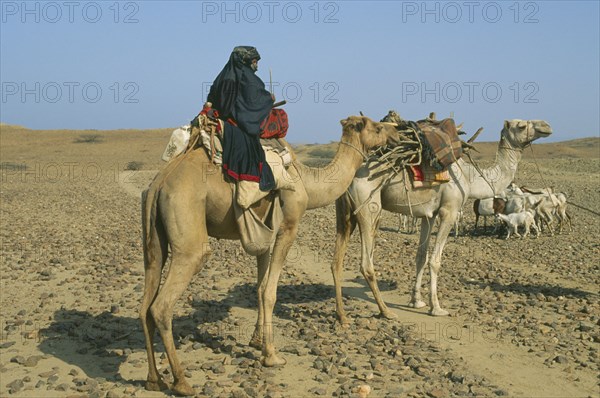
312	154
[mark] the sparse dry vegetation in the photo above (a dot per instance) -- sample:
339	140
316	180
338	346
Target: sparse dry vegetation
134	165
89	139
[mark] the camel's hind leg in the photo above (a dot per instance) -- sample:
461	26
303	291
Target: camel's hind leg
345	224
368	221
447	218
182	269
422	258
155	255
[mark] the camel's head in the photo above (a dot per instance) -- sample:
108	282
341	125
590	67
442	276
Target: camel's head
520	133
363	131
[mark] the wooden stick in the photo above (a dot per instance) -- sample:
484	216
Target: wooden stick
475	135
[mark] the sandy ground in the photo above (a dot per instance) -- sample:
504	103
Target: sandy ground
525	314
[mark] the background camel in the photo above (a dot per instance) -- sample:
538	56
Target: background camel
444	200
195	202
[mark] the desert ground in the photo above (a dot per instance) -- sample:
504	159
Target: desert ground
525	314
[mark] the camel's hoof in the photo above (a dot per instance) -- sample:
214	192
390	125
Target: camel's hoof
256	342
389	315
439	312
417	304
183	388
344	322
156	385
273	361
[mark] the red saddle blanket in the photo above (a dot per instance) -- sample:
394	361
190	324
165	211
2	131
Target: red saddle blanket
276	125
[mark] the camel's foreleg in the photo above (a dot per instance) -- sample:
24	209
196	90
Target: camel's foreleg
262	262
368	222
285	238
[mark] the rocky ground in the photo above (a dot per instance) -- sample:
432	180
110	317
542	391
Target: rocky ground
525	314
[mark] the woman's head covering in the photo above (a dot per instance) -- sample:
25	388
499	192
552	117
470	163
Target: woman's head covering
226	86
239	93
245	54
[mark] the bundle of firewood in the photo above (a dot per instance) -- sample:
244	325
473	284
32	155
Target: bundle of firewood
409	149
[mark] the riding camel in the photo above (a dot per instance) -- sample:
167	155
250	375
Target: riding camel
189	200
445	201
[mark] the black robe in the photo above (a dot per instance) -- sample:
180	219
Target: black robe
238	94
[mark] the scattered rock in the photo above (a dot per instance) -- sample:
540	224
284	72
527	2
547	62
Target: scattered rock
32	361
561	359
15	386
7	344
18	359
62	387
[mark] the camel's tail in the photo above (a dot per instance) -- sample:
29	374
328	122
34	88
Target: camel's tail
345	222
344	214
151	225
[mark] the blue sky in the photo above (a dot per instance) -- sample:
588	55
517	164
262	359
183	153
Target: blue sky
147	64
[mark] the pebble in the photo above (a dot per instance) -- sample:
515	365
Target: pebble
15	386
363	390
561	359
586	326
18	359
62	387
438	393
32	361
318	391
48	373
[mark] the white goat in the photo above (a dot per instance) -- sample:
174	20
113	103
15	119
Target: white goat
487	207
407	223
514	220
561	212
483	208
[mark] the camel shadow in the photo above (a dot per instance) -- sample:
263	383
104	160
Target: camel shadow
91	342
396	230
99	344
245	295
546	289
291	297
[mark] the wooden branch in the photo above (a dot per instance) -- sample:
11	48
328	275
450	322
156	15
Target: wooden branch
475	135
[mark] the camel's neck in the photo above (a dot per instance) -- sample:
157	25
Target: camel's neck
325	184
496	178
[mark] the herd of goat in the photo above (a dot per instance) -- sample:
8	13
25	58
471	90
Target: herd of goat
515	207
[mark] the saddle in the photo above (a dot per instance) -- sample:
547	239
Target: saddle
442	146
427	148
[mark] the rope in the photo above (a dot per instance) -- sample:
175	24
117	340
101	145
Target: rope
584	208
365	158
537	166
478	169
544	182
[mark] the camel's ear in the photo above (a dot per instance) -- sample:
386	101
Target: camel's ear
506	124
343	122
